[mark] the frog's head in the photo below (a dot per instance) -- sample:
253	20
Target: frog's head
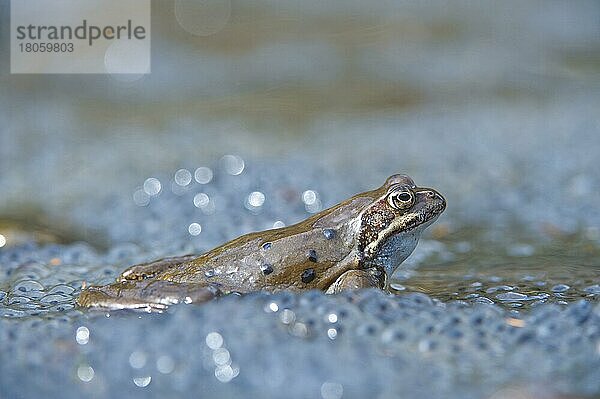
391	225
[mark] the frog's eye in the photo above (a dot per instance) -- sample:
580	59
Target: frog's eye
401	199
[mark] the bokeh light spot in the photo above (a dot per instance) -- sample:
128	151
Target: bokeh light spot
85	373
195	229
142	382
82	336
152	186
214	340
203	175
233	164
183	177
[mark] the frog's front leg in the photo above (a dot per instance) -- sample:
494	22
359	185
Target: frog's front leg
356	279
153	295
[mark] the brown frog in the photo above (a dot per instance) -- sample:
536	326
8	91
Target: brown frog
355	244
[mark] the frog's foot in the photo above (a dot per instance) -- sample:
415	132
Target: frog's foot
150	296
356	279
144	271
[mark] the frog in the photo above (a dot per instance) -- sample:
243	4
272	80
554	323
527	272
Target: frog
356	244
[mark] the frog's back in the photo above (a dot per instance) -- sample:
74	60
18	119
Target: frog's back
300	256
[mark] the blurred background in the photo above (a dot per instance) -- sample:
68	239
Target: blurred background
494	103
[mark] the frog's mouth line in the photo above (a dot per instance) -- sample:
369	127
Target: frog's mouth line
426	217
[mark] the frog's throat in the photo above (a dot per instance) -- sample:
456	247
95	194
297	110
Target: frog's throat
398	228
396	248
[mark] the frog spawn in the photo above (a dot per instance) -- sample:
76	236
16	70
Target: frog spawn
73	265
388	332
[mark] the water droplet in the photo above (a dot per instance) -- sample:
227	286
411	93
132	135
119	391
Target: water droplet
255	199
183	177
2	241
233	164
201	200
82	336
272	307
152	186
194	229
278	224
142	382
309	197
221	356
224	373
85	373
214	340
203	175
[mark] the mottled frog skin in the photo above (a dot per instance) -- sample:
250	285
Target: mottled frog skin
355	244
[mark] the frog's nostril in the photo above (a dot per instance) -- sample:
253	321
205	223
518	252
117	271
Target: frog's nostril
435	197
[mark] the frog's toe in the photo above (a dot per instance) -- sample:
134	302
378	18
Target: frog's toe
169	293
108	298
149	296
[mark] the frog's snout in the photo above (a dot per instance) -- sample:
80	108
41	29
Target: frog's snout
435	200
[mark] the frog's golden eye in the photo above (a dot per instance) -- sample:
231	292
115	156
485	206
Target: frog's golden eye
401	199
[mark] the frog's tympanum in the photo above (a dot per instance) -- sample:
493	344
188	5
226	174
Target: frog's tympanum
355	244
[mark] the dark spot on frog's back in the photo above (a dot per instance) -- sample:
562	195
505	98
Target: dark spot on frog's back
266	269
312	255
308	275
210	273
266	246
329	233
